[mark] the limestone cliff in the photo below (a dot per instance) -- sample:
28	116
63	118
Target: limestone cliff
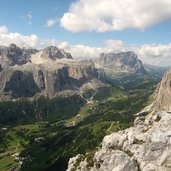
50	72
124	62
14	55
163	98
26	72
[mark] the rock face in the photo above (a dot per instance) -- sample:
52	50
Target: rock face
49	72
125	62
47	79
146	146
53	52
13	55
163	99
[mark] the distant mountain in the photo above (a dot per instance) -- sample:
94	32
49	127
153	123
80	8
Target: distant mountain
27	72
155	70
14	55
50	72
123	62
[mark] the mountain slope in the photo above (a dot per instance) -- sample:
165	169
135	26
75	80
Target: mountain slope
155	70
144	147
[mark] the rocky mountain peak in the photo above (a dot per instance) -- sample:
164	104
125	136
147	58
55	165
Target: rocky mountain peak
127	62
14	55
53	52
30	72
13	46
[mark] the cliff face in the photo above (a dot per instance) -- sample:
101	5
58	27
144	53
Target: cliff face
163	99
53	52
30	79
14	55
49	72
120	62
52	71
146	146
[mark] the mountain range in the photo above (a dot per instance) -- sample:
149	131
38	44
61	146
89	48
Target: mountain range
53	107
26	72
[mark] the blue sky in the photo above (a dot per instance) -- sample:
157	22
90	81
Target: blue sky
13	14
85	22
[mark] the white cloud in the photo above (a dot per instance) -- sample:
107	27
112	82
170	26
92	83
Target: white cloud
118	45
88	52
85	52
50	23
3	29
114	15
28	17
155	54
22	40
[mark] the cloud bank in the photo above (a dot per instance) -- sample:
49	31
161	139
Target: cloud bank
32	41
115	15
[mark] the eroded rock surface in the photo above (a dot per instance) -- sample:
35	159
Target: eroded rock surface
163	99
145	147
125	62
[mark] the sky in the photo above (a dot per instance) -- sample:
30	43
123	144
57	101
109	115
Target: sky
85	28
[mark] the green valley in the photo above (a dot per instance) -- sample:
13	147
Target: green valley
43	134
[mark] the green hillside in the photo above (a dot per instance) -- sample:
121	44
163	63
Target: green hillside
47	132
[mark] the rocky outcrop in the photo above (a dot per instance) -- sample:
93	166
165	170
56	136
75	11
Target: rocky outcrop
146	146
53	52
50	72
20	84
124	62
14	55
1	68
163	97
49	79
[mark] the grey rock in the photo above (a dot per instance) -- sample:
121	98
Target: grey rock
1	68
136	148
124	62
27	72
53	52
163	93
14	55
49	79
18	83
